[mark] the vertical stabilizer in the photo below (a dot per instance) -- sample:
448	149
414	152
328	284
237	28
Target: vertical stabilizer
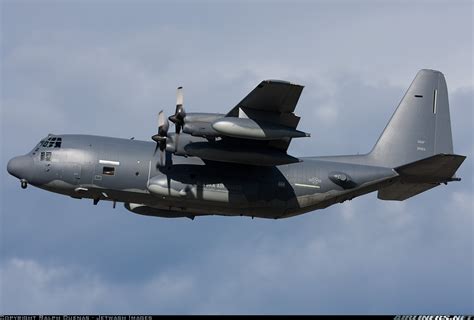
420	127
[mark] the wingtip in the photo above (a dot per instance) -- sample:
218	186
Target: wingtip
430	71
282	82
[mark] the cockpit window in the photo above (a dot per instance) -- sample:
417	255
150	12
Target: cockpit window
51	142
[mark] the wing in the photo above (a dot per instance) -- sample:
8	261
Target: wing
272	102
272	96
257	131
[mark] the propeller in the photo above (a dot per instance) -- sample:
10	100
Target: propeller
179	114
160	137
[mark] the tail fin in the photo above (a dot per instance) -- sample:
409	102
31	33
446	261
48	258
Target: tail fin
420	127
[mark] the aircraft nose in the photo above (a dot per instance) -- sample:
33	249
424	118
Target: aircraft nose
20	166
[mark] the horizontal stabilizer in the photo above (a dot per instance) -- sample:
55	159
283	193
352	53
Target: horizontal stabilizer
401	190
438	168
422	175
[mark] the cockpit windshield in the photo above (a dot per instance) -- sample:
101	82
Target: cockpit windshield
50	142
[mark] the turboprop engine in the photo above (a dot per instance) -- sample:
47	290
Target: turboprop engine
244	135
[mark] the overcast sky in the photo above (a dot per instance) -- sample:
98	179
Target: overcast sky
108	67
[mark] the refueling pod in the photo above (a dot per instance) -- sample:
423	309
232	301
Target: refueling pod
156	212
246	128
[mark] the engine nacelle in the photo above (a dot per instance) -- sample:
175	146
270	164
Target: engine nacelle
200	129
199	124
175	143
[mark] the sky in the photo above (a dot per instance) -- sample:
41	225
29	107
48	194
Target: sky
108	67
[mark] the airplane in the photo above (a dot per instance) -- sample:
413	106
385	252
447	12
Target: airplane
236	164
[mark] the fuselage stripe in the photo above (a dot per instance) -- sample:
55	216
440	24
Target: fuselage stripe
114	163
307	185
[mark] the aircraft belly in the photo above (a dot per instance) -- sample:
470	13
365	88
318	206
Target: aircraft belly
309	200
192	193
225	196
221	192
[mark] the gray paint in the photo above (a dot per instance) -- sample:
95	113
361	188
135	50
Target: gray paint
174	184
420	126
250	129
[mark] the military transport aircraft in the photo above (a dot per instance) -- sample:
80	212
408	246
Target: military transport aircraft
236	164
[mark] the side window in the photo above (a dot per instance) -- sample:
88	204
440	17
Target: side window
45	156
108	171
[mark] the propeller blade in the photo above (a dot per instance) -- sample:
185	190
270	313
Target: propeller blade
160	142
156	148
163	124
161	119
163	144
161	136
179	97
179	114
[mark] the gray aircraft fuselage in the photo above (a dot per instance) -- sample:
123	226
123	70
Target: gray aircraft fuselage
236	163
189	186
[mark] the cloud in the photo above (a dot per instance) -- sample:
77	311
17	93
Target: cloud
108	71
60	289
45	289
330	261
